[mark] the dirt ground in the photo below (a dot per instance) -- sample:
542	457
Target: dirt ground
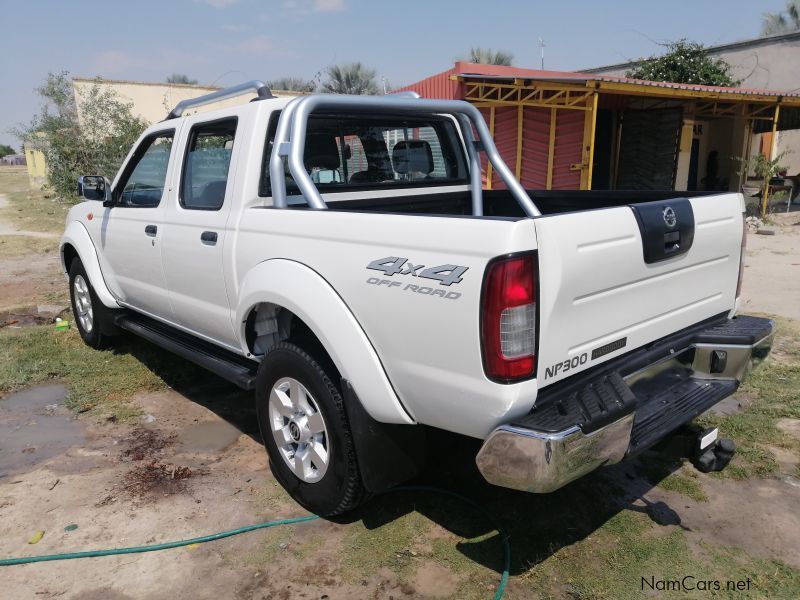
190	462
772	269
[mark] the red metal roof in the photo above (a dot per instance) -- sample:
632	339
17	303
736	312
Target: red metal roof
440	85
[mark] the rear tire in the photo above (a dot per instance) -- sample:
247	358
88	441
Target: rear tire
305	430
92	318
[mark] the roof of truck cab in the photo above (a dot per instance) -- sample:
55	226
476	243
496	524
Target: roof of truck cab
227	111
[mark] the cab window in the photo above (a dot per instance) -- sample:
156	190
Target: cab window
353	152
142	184
207	164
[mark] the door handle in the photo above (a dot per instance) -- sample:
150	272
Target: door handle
151	230
209	237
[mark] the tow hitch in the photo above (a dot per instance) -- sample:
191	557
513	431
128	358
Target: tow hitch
701	446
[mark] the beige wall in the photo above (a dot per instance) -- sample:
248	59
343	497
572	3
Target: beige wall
36	166
153	101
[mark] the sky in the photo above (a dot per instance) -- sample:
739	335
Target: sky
223	42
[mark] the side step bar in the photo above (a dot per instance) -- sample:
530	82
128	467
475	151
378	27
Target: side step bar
236	369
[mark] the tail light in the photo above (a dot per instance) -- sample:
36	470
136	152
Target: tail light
741	260
508	319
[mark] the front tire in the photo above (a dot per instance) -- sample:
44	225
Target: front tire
305	430
92	318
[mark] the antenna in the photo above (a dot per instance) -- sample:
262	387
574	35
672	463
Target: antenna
541	46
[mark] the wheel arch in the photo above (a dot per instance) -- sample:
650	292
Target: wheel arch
76	243
302	294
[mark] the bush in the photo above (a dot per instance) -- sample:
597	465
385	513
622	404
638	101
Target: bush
685	62
87	135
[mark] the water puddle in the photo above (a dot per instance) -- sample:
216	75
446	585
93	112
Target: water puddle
208	436
34	427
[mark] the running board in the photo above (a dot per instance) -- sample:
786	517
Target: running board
236	369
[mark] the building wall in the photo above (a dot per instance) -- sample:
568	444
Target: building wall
36	167
153	101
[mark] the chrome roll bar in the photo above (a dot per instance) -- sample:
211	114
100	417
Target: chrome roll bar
293	124
259	87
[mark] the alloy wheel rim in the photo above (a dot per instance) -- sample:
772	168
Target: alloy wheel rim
83	303
299	430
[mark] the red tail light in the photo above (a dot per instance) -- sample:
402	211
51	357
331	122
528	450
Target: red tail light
741	260
508	318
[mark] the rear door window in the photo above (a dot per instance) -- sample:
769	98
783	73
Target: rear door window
207	164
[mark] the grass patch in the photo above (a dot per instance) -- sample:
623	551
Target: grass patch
666	473
399	536
774	388
614	561
269	546
687	485
30	209
15	246
100	383
367	550
272	498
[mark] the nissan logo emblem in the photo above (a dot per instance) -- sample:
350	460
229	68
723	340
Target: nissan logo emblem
670	219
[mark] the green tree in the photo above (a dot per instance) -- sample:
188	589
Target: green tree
785	21
486	56
87	135
292	84
181	78
684	62
352	78
6	150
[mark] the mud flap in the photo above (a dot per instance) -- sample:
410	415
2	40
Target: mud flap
387	454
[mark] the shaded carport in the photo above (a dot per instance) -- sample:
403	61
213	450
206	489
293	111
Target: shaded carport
566	130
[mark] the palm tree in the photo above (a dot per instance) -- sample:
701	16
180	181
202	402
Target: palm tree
181	78
486	56
352	78
786	21
292	84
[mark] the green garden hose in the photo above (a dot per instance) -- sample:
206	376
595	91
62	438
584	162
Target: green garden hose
7	562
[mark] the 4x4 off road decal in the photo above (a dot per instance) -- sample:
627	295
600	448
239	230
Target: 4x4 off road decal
446	275
395	265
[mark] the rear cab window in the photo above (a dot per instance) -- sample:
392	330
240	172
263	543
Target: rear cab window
359	152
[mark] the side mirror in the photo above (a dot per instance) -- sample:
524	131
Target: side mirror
94	187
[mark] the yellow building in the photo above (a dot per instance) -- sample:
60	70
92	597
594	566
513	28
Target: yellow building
151	102
36	166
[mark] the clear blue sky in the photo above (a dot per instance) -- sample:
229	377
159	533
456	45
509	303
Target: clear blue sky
226	41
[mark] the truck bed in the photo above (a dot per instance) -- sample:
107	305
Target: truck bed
500	203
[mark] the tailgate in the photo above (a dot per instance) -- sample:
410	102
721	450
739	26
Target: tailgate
612	280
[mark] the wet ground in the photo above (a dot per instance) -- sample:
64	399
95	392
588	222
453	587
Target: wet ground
34	427
193	465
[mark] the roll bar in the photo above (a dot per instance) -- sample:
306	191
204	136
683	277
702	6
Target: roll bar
293	124
259	87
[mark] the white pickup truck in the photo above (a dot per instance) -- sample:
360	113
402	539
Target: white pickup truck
338	255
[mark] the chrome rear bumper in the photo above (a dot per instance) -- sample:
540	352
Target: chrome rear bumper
520	457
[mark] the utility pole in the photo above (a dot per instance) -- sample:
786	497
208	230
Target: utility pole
541	47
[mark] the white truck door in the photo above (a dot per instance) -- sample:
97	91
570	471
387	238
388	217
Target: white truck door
195	221
130	232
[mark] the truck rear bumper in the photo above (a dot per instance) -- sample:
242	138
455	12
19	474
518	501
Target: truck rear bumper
624	406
